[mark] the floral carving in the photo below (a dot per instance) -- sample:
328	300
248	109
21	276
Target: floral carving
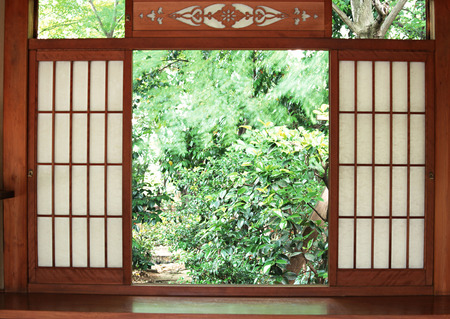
221	16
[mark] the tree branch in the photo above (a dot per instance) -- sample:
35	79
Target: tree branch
391	17
344	18
98	17
316	212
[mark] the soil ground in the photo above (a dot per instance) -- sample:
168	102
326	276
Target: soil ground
165	271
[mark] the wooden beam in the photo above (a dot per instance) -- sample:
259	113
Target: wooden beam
15	144
442	186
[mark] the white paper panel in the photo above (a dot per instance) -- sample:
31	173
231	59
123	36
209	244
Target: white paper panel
97	138
364	139
417	191
399	191
381	191
381	243
114	242
44	189
364	86
346	191
62	138
398	243
364	191
400	139
97	242
80	85
79	242
346	237
346	138
114	187
346	86
44	242
115	85
79	190
417	93
79	138
400	86
363	243
62	190
382	87
115	123
62	86
98	85
416	243
97	190
44	138
45	86
417	147
382	139
62	242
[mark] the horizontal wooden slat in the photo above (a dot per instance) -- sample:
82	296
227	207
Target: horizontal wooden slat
381	277
206	15
88	306
79	275
80	55
356	55
232	290
189	41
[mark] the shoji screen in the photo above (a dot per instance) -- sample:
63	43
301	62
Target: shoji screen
79	178
382	169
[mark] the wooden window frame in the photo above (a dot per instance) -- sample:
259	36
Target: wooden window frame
15	154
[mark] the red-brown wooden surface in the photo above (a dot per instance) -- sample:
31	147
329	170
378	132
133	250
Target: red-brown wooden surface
442	96
15	144
375	276
289	16
89	274
15	127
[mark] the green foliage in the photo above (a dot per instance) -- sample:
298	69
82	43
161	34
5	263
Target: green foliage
81	19
142	246
247	213
195	101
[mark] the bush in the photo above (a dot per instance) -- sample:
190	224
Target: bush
248	213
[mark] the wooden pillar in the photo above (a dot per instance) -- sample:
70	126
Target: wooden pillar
15	143
442	198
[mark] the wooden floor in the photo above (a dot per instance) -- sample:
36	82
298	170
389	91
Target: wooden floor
101	306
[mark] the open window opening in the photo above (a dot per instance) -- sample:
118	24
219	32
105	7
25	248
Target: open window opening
230	167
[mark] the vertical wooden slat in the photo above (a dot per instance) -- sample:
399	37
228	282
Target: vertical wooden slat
32	202
105	182
88	114
53	163
333	226
372	243
70	165
391	137
408	161
126	166
430	203
355	163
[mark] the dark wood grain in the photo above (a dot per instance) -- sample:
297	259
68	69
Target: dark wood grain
442	155
209	42
15	144
85	306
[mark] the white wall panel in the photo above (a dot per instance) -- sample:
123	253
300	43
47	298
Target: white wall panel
62	242
346	86
114	244
346	243
364	86
79	242
80	85
382	86
115	86
62	86
45	86
98	86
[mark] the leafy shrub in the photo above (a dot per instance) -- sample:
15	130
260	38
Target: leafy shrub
247	213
